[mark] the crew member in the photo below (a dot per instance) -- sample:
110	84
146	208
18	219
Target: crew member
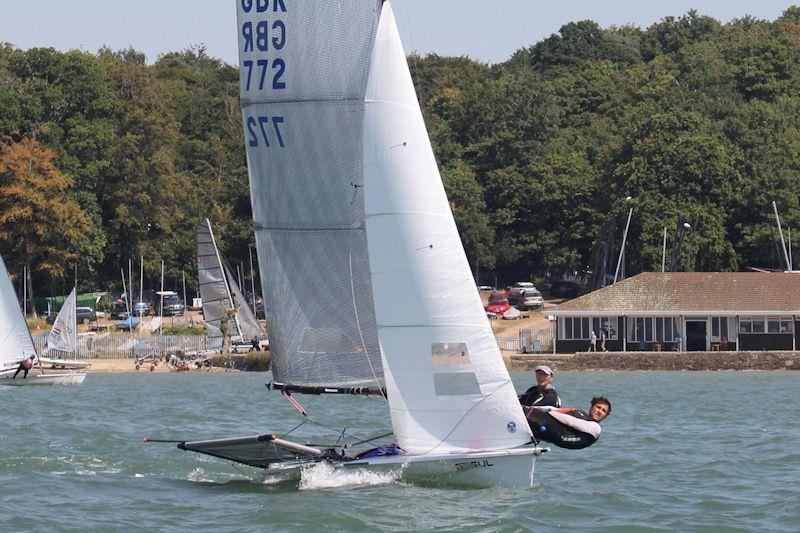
569	427
543	393
24	366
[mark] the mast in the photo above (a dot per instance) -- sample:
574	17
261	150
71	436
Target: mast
780	231
161	306
252	280
624	240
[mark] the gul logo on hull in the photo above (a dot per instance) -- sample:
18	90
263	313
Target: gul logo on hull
469	465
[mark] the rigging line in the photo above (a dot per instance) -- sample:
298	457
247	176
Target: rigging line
360	334
336	430
242	472
458	423
415	61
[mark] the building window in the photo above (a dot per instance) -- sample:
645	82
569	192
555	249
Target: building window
654	329
773	325
574	328
759	324
609	324
719	328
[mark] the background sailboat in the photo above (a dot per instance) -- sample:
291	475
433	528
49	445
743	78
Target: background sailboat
16	343
358	249
220	293
61	349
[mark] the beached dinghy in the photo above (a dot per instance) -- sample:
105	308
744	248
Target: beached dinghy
62	342
16	343
358	249
220	293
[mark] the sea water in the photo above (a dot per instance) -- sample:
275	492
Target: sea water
696	451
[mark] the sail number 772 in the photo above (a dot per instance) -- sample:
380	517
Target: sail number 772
264	131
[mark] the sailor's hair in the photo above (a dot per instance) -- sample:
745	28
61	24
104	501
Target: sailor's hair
602	399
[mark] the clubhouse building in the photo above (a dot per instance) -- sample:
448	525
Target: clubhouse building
685	311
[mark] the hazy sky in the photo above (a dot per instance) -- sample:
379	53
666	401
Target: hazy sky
488	30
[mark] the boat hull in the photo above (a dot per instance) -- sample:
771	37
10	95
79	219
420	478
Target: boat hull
70	364
507	468
69	378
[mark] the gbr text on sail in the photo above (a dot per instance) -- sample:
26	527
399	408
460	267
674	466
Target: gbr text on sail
263	37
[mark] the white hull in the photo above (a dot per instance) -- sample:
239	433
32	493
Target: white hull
72	364
33	379
507	468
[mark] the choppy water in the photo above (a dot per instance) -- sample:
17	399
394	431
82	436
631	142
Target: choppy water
681	451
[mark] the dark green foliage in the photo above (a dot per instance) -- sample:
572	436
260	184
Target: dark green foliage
690	117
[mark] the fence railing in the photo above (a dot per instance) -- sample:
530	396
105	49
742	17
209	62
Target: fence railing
528	341
115	345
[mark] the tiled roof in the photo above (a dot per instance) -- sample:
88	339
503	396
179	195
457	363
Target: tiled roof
693	292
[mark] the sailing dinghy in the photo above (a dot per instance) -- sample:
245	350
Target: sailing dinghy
220	294
16	343
62	341
358	249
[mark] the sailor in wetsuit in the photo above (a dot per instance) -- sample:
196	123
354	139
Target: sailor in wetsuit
568	427
24	366
543	393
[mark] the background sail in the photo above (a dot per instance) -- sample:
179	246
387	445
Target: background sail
63	334
248	324
213	287
448	388
15	339
302	94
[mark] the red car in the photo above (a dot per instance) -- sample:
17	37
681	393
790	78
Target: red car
498	303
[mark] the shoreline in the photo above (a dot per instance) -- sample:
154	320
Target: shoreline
580	361
658	361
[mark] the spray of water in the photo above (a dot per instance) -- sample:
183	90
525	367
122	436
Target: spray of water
325	476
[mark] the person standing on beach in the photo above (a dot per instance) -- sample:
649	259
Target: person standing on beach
593	342
603	340
24	366
543	393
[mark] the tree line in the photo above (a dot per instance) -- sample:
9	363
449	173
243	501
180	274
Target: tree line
105	158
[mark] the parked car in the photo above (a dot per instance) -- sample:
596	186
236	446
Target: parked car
141	309
173	305
84	315
119	311
498	303
526	299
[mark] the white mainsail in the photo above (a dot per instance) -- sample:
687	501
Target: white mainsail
64	333
214	291
447	386
15	338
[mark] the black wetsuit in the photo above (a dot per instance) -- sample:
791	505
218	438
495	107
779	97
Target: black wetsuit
548	429
535	396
